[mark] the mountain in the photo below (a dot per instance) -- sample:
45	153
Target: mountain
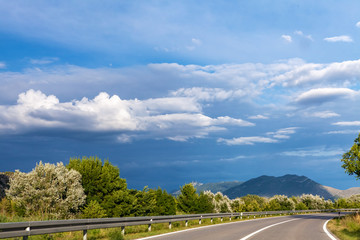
290	185
268	186
213	187
343	193
217	187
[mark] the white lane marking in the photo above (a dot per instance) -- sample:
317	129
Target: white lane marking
215	225
262	229
327	232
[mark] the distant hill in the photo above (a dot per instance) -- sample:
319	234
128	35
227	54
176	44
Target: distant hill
213	187
268	186
290	185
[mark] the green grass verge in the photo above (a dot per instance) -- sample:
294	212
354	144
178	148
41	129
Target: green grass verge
346	227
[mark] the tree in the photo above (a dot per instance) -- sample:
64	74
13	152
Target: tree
205	204
49	190
165	203
103	184
351	159
93	210
187	199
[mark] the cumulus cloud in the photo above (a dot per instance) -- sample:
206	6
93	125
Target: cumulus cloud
321	95
357	24
287	38
347	123
247	140
173	118
342	38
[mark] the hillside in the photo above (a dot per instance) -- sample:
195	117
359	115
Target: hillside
268	186
213	187
290	185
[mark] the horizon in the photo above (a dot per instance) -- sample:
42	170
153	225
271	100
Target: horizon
174	92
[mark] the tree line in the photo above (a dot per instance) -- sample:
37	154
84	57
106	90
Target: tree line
90	188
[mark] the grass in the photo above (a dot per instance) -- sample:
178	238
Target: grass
132	232
346	227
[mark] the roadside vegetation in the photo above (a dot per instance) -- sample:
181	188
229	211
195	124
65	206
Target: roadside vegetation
91	188
346	227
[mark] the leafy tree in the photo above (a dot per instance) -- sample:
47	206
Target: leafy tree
48	190
165	203
93	210
187	199
205	204
103	184
351	159
254	203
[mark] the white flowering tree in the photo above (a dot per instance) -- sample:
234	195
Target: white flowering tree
49	190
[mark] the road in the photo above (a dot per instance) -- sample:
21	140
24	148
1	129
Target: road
304	227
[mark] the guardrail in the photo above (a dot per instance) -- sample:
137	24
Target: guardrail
25	229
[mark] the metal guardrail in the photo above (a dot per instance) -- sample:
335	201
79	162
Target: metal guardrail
25	229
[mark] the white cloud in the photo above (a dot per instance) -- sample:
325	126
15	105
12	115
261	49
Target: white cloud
283	133
347	124
287	38
2	65
259	116
301	34
321	95
196	41
247	140
43	61
318	152
173	118
357	24
344	132
342	38
207	94
323	114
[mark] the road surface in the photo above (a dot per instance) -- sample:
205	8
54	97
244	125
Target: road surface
304	227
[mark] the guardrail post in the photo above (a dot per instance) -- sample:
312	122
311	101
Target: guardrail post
149	226
241	214
200	220
221	218
186	223
28	230
211	220
123	230
169	225
85	234
230	218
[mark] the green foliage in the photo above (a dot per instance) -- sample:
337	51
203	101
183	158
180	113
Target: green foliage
351	159
102	183
49	190
205	204
254	203
165	203
187	199
93	210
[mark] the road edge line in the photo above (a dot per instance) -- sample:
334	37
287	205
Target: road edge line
214	225
327	232
264	228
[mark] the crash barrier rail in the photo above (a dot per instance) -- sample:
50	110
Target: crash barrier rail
26	229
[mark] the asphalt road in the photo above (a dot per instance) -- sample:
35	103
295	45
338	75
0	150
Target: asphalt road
304	227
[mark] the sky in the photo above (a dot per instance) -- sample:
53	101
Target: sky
178	91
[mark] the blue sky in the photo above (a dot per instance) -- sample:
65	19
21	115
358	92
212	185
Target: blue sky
179	91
